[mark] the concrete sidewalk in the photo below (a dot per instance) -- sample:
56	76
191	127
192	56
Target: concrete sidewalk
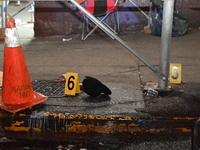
99	57
105	59
126	115
108	61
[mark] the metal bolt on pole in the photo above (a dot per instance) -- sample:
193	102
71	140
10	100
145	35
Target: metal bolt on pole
166	36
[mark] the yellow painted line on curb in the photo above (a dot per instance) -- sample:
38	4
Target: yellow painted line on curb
81	123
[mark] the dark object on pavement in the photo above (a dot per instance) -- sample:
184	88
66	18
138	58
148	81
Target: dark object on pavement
94	87
180	21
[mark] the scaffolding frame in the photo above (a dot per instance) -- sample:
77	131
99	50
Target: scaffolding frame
166	35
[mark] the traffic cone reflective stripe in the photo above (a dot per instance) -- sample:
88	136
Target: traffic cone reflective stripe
17	91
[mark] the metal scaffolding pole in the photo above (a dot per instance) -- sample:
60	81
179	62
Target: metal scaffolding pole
30	3
139	9
4	13
166	41
114	36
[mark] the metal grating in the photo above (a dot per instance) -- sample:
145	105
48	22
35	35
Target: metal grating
49	88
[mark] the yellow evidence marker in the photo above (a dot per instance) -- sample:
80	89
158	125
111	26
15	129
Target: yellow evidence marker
175	73
72	84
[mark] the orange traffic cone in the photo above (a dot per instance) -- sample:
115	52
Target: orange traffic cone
17	91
